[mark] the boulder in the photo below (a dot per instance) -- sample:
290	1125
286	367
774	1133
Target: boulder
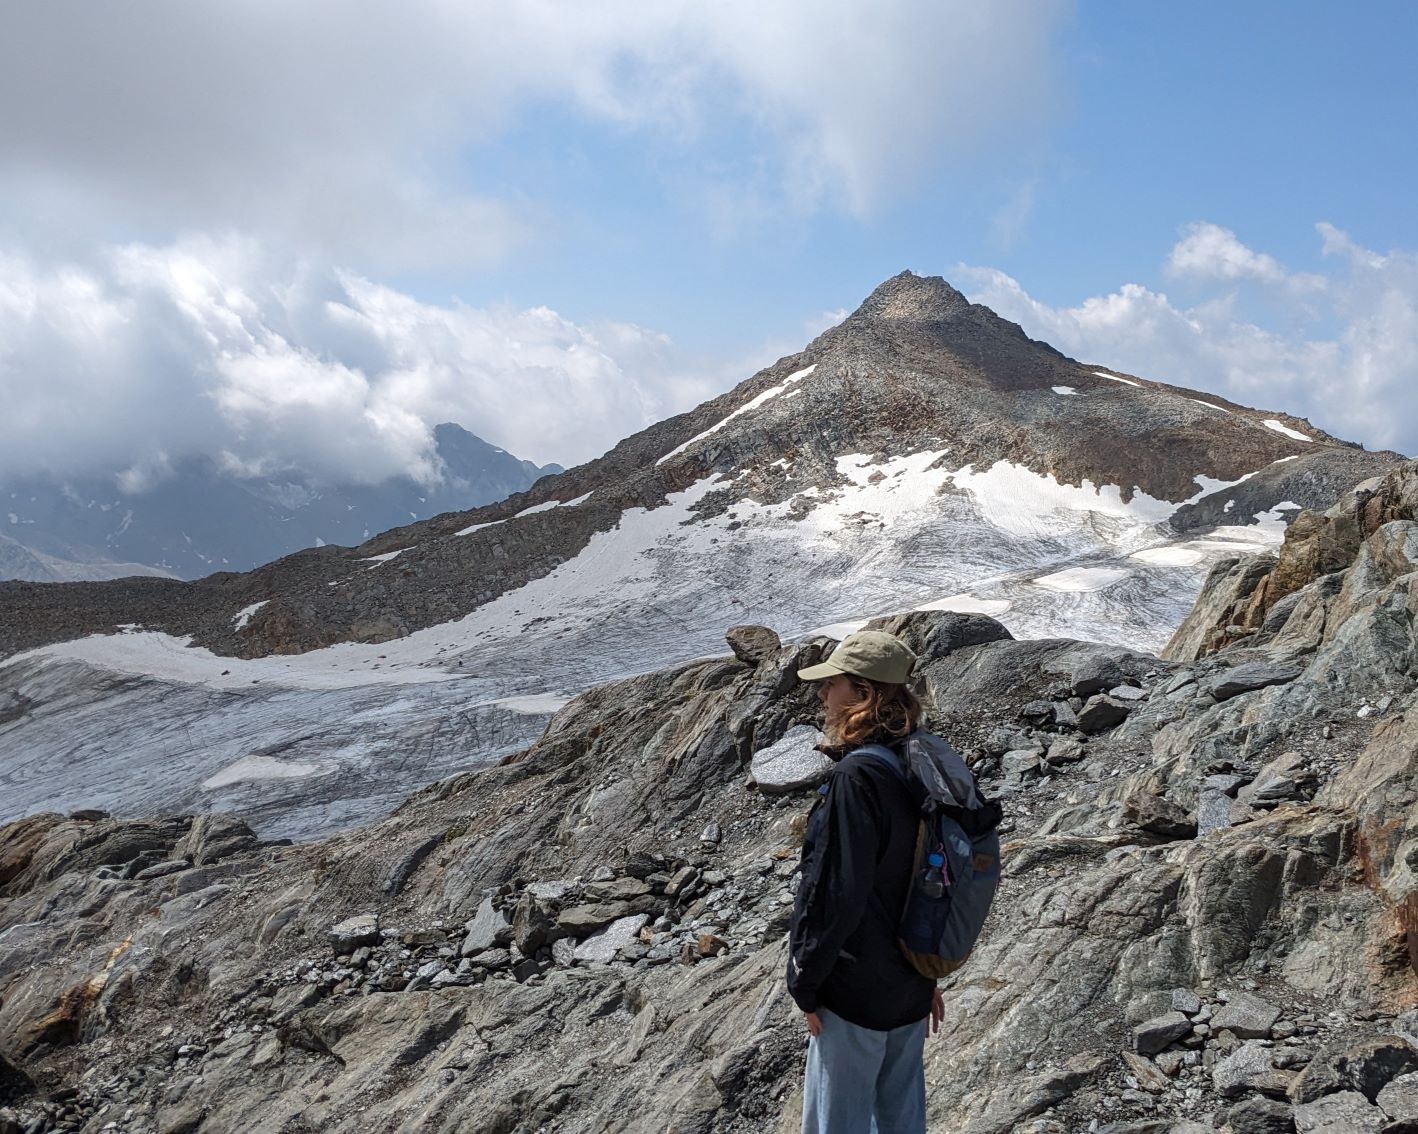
1158	816
531	925
753	644
791	763
606	943
1399	1098
1246	1016
1247	678
1257	1115
1347	1112
584	919
489	928
350	934
1151	1036
1365	1067
1242	1069
214	837
1102	712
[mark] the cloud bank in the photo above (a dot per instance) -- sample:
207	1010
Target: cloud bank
1357	382
353	131
220	348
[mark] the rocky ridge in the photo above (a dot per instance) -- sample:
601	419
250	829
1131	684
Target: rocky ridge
1206	921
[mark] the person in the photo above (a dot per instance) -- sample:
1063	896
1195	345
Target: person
866	1007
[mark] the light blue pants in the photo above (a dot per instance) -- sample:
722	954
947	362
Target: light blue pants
861	1081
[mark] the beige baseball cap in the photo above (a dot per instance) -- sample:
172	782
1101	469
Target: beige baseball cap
872	654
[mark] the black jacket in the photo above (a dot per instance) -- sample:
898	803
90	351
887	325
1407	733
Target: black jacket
857	859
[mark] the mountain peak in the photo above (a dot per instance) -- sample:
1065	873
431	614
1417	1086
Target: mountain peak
907	297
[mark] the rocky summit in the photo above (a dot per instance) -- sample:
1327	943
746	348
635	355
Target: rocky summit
924	454
1206	921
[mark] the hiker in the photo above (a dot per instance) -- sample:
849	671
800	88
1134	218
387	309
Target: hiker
866	1002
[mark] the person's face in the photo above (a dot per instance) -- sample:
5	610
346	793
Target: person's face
837	694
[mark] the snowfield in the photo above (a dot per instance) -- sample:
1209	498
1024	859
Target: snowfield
303	745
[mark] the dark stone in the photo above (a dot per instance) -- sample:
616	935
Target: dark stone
1247	678
1158	816
1152	1036
1260	1116
530	925
1102	712
14	1083
753	644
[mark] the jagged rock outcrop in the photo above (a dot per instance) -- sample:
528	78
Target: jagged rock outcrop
1259	594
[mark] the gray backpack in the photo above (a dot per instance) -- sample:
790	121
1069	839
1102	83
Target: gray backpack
957	864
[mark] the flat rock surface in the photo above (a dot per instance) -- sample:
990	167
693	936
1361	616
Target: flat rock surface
791	763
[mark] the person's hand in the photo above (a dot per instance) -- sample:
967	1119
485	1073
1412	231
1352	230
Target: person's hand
937	1011
814	1024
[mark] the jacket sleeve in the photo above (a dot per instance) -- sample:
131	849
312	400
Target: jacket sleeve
839	872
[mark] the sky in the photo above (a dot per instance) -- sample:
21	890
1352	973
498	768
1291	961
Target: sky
302	235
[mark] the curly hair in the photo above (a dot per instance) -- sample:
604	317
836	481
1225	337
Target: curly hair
883	713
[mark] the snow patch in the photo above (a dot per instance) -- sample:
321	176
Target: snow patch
1081	579
243	616
837	630
535	705
752	404
1177	556
1208	405
968	604
545	506
1066	391
1293	434
388	555
1292	457
1023	503
1115	378
252	769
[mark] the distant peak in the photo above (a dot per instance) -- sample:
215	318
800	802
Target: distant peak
909	297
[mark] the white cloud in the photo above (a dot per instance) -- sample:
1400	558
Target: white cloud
1356	383
1210	252
222	349
353	132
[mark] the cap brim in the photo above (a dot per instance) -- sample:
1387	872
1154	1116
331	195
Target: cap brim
819	672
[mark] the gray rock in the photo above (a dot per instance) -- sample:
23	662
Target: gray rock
492	959
1260	1116
1151	1036
1020	763
1239	1071
1130	693
753	644
1064	716
1185	1000
712	835
1040	712
350	934
1158	816
1399	1098
214	837
1102	712
1347	1112
1247	678
531	924
1366	1067
683	877
563	951
1066	750
1093	672
584	919
605	944
489	928
1246	1016
791	763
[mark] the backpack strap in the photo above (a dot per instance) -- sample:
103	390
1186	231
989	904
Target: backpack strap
884	755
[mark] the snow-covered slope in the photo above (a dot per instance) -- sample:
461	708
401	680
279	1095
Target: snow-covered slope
919	456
